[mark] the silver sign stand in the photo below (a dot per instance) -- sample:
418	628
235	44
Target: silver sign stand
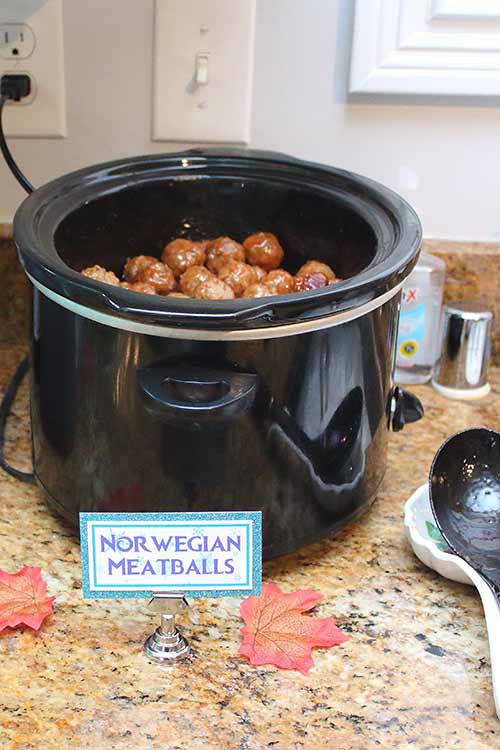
167	645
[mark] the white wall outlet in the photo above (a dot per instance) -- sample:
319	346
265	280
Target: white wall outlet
17	41
31	42
203	64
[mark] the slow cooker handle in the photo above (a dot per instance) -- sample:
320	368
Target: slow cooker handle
405	407
195	393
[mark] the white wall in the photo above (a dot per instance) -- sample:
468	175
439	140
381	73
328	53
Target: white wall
444	157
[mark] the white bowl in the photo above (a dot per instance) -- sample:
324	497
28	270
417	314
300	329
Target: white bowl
418	516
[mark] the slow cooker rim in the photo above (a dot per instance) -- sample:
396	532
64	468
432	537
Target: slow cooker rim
290	328
373	281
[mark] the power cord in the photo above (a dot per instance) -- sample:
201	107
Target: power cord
5	408
14	87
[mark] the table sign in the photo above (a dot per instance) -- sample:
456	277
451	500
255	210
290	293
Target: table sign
166	556
200	554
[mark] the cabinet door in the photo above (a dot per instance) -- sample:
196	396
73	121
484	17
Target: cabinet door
444	47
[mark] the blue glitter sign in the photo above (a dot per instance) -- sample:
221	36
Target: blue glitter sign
200	554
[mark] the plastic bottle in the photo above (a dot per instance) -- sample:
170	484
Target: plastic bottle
422	298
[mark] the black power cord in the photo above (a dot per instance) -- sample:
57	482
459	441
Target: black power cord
5	408
14	87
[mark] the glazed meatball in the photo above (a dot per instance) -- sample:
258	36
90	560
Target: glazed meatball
134	266
100	274
139	286
263	249
260	274
194	276
309	281
237	275
280	281
222	250
160	276
213	288
258	290
315	266
179	255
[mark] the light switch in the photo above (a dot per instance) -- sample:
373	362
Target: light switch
201	72
203	64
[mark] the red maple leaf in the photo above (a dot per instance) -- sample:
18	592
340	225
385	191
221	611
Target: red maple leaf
277	632
23	598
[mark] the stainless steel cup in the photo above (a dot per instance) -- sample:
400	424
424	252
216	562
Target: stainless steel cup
461	370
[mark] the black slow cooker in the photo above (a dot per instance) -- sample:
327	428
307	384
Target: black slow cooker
279	404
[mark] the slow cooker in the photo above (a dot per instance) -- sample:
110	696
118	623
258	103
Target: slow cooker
281	404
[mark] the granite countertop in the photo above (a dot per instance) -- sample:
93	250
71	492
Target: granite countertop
414	674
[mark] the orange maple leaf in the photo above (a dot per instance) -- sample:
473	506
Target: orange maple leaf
23	598
277	632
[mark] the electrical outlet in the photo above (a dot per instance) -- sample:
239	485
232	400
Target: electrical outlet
17	41
203	60
31	42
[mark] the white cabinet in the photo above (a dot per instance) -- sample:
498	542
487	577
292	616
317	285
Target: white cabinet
445	47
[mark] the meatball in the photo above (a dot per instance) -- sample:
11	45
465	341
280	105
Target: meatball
258	290
100	274
260	274
139	286
178	294
134	266
238	275
221	250
179	255
315	266
203	244
194	276
160	276
213	288
263	249
280	281
309	281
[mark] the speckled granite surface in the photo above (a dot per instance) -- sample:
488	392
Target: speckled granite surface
414	673
472	274
15	298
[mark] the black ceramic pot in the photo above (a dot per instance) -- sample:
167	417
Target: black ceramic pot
279	404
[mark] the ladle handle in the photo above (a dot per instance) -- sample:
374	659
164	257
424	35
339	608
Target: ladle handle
491	606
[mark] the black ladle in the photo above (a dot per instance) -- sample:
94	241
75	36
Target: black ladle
464	489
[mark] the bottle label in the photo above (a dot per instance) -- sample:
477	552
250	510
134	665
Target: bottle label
410	295
411	331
